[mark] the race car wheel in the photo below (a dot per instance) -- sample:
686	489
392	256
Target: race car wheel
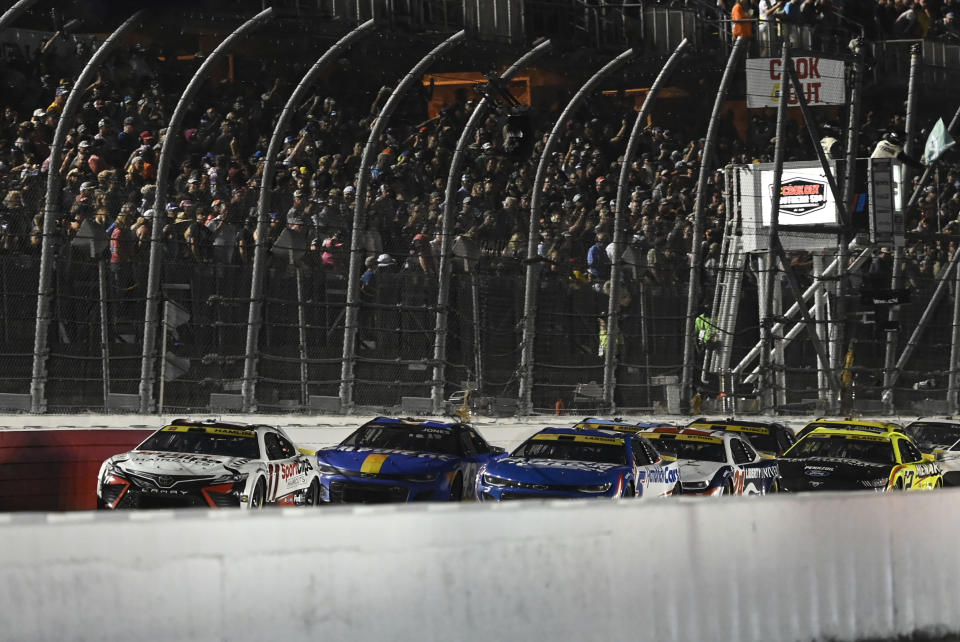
456	489
938	483
258	499
631	490
774	487
313	494
898	485
728	487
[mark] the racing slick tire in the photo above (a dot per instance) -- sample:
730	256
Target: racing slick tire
899	485
774	487
631	491
259	496
938	484
312	498
727	487
456	489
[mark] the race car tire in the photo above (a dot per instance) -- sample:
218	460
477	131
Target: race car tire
631	490
727	487
456	489
898	485
774	487
259	496
312	497
938	483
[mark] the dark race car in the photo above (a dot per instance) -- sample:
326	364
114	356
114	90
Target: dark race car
866	458
769	438
578	463
403	460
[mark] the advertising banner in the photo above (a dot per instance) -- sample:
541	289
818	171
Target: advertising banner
805	197
822	80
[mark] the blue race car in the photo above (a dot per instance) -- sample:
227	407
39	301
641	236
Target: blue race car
403	460
572	462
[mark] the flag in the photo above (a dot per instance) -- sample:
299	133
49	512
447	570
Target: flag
938	142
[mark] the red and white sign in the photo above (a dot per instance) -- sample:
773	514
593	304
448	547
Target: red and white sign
822	80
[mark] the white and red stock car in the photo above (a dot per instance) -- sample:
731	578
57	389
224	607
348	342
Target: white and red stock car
209	464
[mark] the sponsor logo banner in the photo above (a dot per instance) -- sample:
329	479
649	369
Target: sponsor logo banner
821	79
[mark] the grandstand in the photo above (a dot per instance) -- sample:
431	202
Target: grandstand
276	208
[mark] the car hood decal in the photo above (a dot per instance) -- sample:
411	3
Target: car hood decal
698	470
820	467
554	471
177	463
384	462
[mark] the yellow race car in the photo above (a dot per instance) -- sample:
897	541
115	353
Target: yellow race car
857	456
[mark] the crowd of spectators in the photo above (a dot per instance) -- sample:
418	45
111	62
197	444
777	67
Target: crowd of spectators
110	164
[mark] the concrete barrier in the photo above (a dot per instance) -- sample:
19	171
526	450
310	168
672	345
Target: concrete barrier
815	567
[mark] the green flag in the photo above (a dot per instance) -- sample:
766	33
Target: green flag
938	142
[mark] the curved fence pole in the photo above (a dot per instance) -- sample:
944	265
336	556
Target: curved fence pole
174	127
359	216
616	269
254	320
443	294
38	381
14	12
530	287
696	255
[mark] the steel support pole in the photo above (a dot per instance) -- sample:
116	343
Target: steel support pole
255	312
910	124
953	381
892	335
302	336
45	287
819	312
942	281
480	112
104	329
768	380
347	373
619	226
696	255
838	353
533	233
15	12
164	164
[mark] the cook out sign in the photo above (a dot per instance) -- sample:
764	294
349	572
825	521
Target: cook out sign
822	81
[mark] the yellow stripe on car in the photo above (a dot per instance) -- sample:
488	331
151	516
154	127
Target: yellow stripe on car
612	441
226	432
373	463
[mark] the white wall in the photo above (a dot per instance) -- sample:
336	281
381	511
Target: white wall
838	566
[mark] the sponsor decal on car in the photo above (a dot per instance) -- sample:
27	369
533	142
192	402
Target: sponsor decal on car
766	472
663	475
226	432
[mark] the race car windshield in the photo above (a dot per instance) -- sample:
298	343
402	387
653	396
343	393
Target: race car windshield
842	447
697	450
200	442
572	451
765	442
404	437
928	434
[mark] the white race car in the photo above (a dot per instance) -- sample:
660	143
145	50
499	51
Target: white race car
939	440
716	462
209	464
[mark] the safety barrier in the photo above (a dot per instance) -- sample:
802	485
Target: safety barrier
832	566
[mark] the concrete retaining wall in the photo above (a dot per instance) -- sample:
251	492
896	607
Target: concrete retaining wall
815	567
